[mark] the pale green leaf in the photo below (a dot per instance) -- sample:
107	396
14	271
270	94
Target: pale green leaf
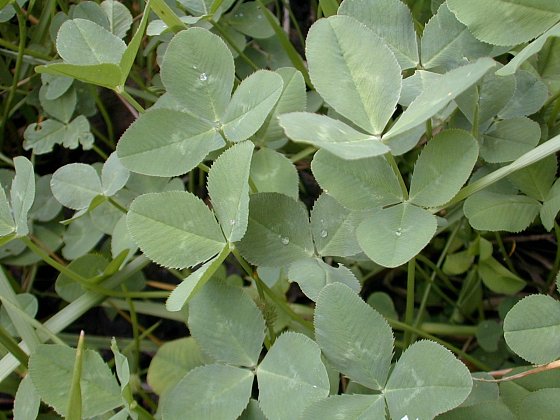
80	238
164	142
392	21
51	369
506	22
427	380
335	136
250	105
541	404
447	43
228	187
382	303
174	229
495	410
404	142
22	193
121	240
120	19
355	339
75	185
114	175
288	384
249	20
55	86
172	362
89	266
74	405
357	184
334	228
90	10
482	391
42	138
107	74
532	329
535	180
487	98
493	211
227	324
194	282
252	411
129	55
530	95
45	207
354	71
273	172
62	108
209	392
82	42
278	233
7	224
198	71
347	407
498	278
507	140
488	336
438	92
313	274
27	401
527	52
392	236
15	310
292	99
437	176
551	206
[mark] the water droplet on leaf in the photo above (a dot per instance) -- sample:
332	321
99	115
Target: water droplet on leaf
203	77
232	222
285	241
324	233
398	232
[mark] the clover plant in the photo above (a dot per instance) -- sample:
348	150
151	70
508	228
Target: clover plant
338	215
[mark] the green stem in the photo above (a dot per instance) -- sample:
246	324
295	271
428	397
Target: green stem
26	51
106	118
119	206
449	329
88	284
504	253
294	22
11	345
303	154
556	266
476	116
409	313
553	115
100	152
395	168
397	325
19	61
429	130
231	43
125	95
277	301
135	329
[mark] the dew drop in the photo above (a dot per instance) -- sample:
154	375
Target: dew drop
232	222
203	77
285	241
324	233
398	232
